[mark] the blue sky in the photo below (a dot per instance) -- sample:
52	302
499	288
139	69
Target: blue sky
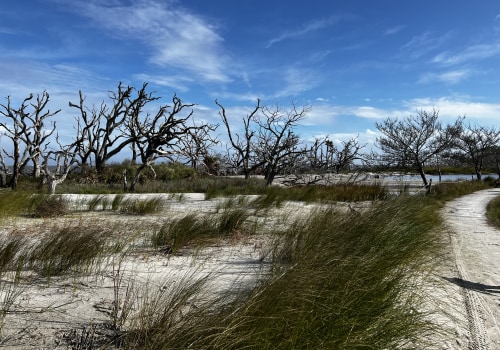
354	62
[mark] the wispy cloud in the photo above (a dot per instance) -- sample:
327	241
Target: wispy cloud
471	53
175	36
297	80
450	77
306	28
423	44
393	30
180	83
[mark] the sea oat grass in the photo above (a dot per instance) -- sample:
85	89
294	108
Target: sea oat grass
338	280
70	249
493	212
141	206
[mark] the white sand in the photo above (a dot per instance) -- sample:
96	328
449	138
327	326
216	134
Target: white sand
465	301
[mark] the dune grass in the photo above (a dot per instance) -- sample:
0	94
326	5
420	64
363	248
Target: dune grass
140	206
493	212
193	229
71	249
338	280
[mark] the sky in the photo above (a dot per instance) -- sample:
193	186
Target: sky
354	62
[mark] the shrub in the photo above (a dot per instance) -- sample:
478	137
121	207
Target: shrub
47	206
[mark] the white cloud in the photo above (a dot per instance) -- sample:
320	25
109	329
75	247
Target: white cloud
315	25
176	37
451	108
450	77
471	53
393	30
423	44
297	81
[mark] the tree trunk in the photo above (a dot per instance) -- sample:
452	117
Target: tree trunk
135	180
3	178
124	178
270	174
422	175
53	181
100	165
36	167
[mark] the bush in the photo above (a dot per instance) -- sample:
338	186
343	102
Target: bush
48	206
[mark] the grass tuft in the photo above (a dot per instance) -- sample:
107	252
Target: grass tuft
70	249
338	280
493	212
141	206
49	206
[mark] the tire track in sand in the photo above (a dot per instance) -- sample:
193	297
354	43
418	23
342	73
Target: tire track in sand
476	249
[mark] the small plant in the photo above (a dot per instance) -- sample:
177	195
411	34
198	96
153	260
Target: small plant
122	303
493	212
141	207
69	249
231	221
10	292
195	228
48	206
169	312
117	202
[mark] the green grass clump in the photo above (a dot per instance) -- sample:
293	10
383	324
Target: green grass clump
338	280
334	193
70	249
197	229
493	212
451	190
14	203
140	206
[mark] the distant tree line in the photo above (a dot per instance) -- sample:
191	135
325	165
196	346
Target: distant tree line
265	142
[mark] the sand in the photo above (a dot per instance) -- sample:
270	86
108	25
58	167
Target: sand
464	298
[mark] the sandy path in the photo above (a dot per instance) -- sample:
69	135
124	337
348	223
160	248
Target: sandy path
475	249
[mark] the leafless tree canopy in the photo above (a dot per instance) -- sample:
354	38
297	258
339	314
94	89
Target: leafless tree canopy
241	144
28	131
413	141
102	132
268	140
164	134
476	145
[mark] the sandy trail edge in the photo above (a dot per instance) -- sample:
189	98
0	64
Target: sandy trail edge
475	254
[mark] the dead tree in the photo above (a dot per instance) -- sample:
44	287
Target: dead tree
241	144
277	143
159	135
65	160
324	156
25	127
104	132
196	146
476	144
415	140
